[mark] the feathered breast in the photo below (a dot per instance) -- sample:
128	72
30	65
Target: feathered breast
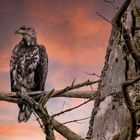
25	62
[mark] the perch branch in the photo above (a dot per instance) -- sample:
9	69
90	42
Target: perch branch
76	86
70	94
13	98
66	92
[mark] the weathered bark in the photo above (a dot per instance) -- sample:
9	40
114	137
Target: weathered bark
110	115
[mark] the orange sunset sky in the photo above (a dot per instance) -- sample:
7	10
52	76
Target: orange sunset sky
75	39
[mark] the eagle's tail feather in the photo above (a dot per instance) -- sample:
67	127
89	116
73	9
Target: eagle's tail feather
23	116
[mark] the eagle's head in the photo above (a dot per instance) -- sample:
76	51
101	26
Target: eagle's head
28	33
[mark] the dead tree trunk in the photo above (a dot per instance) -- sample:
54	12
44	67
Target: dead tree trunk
110	118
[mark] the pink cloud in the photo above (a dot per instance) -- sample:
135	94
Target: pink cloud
21	131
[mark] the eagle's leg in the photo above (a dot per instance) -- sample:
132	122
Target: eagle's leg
21	104
25	111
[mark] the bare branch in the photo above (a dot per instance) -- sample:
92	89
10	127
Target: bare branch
73	82
79	94
130	44
63	106
76	121
129	41
131	82
100	15
76	86
121	11
70	109
38	120
66	132
45	97
13	98
92	74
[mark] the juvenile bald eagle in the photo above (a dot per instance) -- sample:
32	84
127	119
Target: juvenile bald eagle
28	67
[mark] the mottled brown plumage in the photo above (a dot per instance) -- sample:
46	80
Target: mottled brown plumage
28	67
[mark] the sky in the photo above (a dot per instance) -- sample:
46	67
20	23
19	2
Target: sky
75	39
